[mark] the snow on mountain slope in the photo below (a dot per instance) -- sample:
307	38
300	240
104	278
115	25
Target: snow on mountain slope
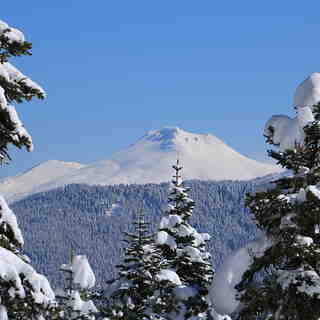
149	160
203	156
32	180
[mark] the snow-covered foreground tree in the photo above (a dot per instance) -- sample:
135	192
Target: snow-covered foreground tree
24	293
289	215
184	250
75	301
135	293
15	87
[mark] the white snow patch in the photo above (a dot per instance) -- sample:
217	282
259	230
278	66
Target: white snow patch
11	267
314	190
184	231
13	34
168	275
170	221
308	92
84	307
304	241
3	313
216	316
223	292
9	218
284	132
83	275
163	238
305	116
194	254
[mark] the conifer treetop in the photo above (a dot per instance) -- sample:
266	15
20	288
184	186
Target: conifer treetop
15	87
179	202
136	290
184	249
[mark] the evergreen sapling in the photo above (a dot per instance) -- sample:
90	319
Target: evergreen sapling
136	296
185	250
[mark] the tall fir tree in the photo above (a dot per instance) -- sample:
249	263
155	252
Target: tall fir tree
136	293
15	87
283	282
185	250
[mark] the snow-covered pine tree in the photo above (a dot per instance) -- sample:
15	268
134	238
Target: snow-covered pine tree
15	87
185	250
135	296
24	293
288	282
75	301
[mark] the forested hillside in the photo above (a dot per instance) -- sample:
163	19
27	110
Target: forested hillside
90	220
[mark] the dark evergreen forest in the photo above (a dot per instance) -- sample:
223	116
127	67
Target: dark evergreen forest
90	220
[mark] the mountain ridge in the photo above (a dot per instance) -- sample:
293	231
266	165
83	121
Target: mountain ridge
148	160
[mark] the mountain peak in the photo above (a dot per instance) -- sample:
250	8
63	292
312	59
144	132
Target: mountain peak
171	137
166	137
149	160
164	134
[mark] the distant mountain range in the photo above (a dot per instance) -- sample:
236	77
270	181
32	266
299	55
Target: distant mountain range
149	160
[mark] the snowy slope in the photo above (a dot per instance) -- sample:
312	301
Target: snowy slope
149	160
32	180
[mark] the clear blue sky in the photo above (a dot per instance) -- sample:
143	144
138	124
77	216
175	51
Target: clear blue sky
116	69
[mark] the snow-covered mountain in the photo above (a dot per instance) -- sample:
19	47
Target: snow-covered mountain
149	160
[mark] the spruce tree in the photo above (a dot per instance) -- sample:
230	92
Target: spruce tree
283	282
185	250
136	296
15	87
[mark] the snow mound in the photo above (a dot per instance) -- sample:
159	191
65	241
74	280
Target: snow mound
223	292
169	275
11	269
83	275
13	34
84	307
308	92
163	238
287	132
